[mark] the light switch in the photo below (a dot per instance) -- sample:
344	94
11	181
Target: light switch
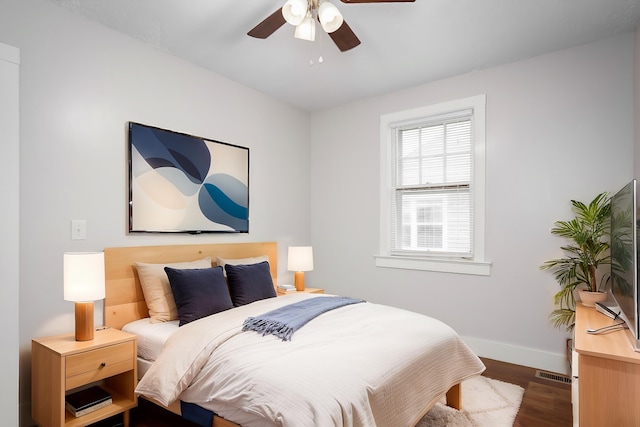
78	229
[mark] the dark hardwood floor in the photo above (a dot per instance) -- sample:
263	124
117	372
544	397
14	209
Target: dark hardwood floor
546	403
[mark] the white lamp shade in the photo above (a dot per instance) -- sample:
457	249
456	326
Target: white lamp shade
300	258
294	11
330	17
306	30
83	276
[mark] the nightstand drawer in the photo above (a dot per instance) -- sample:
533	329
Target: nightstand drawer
98	364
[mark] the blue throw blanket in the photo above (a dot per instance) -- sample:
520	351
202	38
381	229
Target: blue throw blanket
284	321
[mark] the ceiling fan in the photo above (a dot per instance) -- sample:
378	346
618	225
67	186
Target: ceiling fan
303	14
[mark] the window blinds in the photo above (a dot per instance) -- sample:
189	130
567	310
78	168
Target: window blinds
432	170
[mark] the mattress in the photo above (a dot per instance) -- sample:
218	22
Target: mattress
151	336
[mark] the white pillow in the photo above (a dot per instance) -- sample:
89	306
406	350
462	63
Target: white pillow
157	290
240	261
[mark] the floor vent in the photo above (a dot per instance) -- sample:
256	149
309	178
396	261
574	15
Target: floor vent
553	377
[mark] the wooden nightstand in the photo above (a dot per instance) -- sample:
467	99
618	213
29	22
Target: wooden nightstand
61	364
307	290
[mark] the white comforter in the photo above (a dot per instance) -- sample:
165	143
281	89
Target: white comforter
360	365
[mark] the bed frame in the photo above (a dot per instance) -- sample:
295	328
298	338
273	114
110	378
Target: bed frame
124	301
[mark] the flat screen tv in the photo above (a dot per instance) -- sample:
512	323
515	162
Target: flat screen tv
185	183
624	257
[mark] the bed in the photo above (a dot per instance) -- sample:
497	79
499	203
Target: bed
330	373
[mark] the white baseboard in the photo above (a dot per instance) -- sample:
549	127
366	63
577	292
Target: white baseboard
552	362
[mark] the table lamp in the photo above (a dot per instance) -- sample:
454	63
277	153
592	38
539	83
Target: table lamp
84	284
300	260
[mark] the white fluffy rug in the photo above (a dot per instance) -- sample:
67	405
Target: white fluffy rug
485	403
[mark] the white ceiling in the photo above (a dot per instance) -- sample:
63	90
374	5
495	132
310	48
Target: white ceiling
403	44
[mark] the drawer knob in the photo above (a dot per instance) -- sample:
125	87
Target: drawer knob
102	365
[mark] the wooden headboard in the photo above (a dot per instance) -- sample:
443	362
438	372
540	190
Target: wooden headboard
124	300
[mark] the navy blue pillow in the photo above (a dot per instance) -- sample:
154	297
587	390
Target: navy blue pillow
249	283
198	292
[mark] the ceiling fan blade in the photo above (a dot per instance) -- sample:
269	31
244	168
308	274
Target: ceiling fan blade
344	37
377	1
268	26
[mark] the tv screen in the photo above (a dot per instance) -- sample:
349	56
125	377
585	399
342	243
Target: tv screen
624	257
186	183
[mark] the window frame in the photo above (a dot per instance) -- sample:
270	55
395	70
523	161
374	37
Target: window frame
476	265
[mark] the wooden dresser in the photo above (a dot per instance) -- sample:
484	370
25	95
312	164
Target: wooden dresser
608	373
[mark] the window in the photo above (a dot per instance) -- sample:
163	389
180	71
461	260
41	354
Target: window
432	188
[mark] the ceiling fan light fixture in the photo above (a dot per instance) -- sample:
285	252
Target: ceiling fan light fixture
306	30
330	17
294	11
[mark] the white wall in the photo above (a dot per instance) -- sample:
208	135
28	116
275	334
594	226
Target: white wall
80	84
559	127
9	226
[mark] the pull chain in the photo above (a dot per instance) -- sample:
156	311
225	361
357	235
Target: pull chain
314	51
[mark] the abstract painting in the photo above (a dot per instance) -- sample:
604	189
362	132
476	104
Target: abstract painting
184	183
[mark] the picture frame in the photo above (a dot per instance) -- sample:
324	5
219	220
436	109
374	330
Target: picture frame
180	183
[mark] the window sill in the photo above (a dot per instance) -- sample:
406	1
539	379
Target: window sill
479	268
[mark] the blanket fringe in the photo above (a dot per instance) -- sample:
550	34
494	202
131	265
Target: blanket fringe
268	327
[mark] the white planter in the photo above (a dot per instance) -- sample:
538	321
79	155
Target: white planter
589	299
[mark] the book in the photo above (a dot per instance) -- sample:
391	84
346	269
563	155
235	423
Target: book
85	401
286	288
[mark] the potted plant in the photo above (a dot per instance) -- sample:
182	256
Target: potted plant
588	250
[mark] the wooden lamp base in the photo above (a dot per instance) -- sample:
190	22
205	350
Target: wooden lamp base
298	280
84	321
